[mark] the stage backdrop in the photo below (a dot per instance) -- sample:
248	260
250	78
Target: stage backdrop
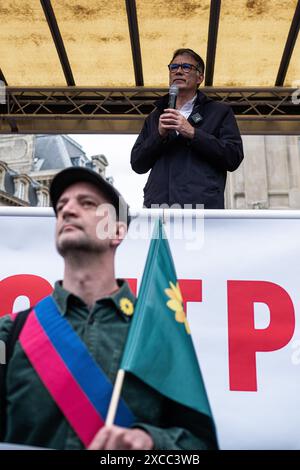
240	277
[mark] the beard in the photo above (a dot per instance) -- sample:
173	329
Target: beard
80	245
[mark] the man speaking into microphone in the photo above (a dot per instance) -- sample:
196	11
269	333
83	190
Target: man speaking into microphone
189	142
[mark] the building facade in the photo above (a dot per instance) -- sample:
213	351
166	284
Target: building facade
28	164
269	177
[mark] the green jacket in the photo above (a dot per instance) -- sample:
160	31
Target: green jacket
33	417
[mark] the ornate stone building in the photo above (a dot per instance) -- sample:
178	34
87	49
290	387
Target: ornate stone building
29	162
269	177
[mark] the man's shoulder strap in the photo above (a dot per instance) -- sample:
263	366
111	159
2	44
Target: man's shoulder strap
15	331
14	334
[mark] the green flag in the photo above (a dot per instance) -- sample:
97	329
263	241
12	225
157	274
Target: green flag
159	348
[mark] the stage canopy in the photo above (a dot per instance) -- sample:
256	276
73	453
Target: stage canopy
99	65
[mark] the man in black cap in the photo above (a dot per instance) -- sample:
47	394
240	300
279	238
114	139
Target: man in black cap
90	313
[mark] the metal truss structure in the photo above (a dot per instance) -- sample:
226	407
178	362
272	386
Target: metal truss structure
110	110
73	109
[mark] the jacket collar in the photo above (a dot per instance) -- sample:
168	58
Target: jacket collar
123	299
162	103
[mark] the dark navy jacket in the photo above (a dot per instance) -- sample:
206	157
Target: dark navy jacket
185	171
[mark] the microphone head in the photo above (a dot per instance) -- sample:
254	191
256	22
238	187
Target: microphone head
173	90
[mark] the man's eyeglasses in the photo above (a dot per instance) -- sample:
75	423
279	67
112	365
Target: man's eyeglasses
187	68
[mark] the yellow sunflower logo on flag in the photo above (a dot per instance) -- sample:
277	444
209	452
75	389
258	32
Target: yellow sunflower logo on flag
176	304
126	306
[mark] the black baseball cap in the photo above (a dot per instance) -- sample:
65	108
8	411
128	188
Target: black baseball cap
77	174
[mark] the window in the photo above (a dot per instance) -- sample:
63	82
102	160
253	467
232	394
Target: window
21	190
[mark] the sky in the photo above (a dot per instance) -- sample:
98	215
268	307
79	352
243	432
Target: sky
117	149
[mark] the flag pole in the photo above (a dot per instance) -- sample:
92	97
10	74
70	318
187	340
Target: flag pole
112	410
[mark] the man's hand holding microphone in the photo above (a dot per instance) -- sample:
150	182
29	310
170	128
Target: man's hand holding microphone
172	119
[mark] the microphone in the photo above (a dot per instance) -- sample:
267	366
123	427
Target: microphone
173	92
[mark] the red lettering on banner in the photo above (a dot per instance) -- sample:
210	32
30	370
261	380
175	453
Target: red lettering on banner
244	339
132	284
29	285
36	287
191	290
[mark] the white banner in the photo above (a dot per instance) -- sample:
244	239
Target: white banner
240	277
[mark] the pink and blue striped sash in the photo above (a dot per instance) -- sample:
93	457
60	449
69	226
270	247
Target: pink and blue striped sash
74	380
